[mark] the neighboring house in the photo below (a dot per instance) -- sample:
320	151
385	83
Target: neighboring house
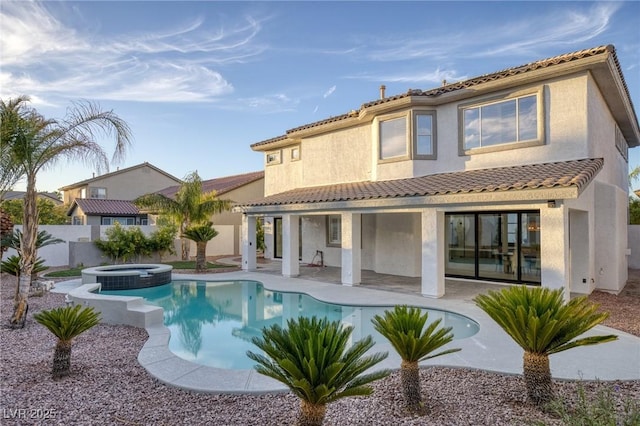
113	193
19	195
520	176
237	188
94	211
123	184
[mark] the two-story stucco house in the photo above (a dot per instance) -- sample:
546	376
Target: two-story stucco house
106	199
520	176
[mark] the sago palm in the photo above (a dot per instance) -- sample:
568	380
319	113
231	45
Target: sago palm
312	359
31	143
190	206
540	322
407	330
66	323
201	235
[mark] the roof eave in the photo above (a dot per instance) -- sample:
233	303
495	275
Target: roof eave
533	196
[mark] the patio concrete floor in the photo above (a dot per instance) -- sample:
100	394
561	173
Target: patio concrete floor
490	349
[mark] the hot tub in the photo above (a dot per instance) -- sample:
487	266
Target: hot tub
128	276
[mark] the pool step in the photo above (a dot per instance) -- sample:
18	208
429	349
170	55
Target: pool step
127	310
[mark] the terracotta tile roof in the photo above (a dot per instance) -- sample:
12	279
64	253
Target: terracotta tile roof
509	72
220	185
576	173
97	206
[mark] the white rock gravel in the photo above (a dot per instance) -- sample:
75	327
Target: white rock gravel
108	387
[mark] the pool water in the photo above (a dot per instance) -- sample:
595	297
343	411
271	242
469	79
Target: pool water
212	322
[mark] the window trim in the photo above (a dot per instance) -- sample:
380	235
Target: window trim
540	104
414	134
97	189
621	144
292	150
274	162
328	229
388	117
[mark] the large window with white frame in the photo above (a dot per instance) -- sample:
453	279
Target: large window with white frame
407	135
502	122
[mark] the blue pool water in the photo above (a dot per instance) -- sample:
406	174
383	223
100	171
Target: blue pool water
212	322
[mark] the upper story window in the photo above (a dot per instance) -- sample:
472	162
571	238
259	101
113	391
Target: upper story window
274	157
410	134
501	122
621	144
295	153
393	138
424	147
97	192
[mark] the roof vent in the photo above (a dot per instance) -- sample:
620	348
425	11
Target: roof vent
382	89
444	82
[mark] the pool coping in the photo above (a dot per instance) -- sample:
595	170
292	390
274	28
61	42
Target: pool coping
491	349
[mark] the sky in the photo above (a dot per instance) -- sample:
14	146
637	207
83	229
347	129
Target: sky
199	82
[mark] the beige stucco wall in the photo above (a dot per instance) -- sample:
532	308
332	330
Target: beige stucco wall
337	157
250	192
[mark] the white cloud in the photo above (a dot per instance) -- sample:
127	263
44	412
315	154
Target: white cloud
329	92
45	59
525	37
436	76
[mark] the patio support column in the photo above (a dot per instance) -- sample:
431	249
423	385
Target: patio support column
248	243
554	248
432	253
351	250
290	245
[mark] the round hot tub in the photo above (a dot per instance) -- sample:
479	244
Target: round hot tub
128	276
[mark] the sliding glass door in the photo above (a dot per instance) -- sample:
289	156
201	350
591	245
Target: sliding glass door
494	246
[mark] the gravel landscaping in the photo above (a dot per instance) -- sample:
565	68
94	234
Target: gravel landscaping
107	386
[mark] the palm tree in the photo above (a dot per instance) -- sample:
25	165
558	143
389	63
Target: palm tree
190	207
35	143
201	235
404	327
540	322
66	323
311	358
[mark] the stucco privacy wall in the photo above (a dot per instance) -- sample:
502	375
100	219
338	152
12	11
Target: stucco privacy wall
633	232
61	255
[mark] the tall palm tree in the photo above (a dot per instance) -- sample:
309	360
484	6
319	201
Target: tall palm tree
201	235
404	327
36	143
189	207
311	358
540	322
66	324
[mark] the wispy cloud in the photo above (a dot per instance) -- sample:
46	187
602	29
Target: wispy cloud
525	37
435	76
329	92
42	57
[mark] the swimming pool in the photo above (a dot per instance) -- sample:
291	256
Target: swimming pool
212	322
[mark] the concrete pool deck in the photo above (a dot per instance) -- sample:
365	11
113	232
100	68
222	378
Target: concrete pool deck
490	349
